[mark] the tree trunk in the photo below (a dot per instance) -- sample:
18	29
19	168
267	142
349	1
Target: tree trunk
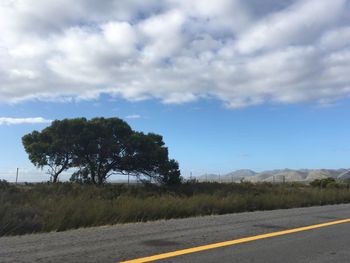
101	177
55	177
57	173
93	179
100	180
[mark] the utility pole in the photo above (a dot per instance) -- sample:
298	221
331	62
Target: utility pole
128	179
17	175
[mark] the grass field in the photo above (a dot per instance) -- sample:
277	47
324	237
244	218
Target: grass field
58	207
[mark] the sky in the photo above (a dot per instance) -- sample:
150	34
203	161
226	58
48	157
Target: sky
229	84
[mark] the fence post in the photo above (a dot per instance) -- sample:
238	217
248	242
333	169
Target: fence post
17	175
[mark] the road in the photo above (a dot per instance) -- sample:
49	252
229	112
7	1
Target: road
132	241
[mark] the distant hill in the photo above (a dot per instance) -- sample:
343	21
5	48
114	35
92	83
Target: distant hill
240	173
278	175
230	177
344	176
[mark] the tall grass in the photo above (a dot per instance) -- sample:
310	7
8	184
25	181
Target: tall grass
48	207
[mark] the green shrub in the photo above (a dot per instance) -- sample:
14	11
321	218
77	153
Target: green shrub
4	184
324	182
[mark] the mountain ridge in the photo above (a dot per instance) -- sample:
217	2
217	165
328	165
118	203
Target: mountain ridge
277	175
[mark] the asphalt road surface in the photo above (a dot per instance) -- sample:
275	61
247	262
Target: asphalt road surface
133	241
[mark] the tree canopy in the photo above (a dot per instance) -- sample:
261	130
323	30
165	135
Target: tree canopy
97	148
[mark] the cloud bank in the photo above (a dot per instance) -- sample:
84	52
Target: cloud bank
15	121
241	52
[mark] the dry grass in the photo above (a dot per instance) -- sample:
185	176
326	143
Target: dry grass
45	207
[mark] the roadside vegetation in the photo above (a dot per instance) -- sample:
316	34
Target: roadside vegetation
57	207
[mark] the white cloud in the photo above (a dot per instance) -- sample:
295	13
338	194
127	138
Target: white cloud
133	116
241	52
15	121
337	38
297	25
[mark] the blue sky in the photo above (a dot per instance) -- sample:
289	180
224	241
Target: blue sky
230	84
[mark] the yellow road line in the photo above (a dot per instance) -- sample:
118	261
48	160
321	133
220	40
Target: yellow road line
233	242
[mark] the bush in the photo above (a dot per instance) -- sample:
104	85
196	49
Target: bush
323	183
4	184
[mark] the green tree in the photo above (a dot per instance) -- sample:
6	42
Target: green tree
98	148
101	149
54	146
150	159
170	173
